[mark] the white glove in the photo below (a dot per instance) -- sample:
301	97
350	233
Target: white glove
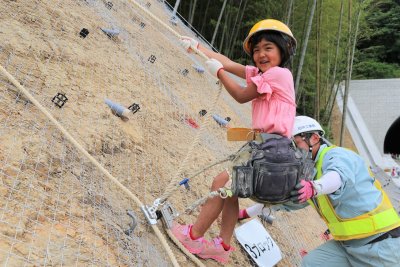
188	42
214	66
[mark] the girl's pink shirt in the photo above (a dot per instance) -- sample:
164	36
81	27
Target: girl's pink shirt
275	109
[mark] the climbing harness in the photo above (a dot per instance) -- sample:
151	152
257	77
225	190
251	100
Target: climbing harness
274	168
259	177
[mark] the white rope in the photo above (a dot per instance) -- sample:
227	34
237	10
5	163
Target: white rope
174	184
231	157
221	192
168	28
89	157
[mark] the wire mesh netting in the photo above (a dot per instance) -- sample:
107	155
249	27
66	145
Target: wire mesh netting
56	207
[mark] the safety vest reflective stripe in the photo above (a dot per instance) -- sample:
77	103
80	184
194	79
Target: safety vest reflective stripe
381	219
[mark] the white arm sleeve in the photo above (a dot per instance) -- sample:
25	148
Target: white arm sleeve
328	183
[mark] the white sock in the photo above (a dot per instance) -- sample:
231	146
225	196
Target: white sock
255	210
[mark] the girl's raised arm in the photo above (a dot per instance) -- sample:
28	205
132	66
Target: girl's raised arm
229	65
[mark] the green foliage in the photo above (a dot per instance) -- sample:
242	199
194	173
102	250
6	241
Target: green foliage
375	70
382	43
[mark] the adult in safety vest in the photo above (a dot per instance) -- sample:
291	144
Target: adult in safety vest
357	211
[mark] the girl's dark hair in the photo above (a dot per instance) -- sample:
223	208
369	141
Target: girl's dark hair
278	38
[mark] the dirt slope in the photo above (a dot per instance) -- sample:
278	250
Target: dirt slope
56	208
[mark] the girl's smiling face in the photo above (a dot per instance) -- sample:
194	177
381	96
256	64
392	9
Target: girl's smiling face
266	55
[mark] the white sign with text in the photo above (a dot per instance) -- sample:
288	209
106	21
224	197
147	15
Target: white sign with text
258	243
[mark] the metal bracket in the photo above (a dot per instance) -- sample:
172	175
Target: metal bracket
132	225
168	214
150	213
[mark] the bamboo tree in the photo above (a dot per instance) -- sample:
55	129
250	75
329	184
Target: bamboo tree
231	40
229	14
332	97
226	22
347	82
236	32
349	69
325	91
289	12
175	9
304	29
318	63
192	10
204	17
304	49
218	22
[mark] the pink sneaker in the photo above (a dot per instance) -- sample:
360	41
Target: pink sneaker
214	250
181	232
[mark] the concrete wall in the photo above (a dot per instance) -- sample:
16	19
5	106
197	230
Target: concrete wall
373	105
378	102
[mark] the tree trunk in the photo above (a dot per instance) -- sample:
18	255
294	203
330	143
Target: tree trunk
347	82
331	100
349	69
289	12
204	18
318	62
304	49
301	40
175	9
229	46
218	22
193	9
232	45
226	22
325	91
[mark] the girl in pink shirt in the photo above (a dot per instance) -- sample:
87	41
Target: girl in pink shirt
274	110
270	87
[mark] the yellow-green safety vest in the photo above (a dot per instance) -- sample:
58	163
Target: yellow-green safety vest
381	219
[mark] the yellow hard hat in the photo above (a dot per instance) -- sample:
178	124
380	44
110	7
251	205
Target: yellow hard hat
265	25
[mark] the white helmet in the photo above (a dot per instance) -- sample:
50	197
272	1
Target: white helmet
304	124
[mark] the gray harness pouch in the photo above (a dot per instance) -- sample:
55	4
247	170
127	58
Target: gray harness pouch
271	172
272	182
